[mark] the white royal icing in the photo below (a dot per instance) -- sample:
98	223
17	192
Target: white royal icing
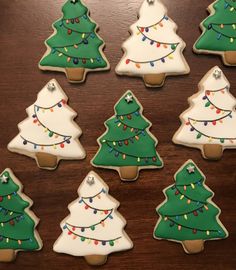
220	115
58	120
137	51
111	229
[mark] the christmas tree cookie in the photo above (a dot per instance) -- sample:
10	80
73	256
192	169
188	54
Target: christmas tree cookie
188	215
75	47
49	134
154	50
219	35
127	146
210	122
94	228
17	230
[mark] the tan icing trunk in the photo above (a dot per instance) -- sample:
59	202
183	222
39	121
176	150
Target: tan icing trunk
96	259
213	151
75	74
154	80
230	58
7	255
193	246
46	160
128	173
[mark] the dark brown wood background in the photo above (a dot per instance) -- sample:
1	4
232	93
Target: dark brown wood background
24	25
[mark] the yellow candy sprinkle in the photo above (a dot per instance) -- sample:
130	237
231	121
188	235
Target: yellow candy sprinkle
186	217
192	185
207	232
182	196
65	49
232	9
60	54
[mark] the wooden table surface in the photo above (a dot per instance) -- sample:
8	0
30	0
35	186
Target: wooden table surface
24	25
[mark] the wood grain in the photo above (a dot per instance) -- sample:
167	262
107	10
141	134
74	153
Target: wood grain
24	27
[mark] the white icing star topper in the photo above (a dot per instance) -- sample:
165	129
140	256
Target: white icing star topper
91	180
129	98
51	86
4	179
217	74
191	169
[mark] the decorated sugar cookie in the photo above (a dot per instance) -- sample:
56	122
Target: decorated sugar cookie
94	228
188	215
219	35
154	50
75	47
127	146
49	134
210	122
17	230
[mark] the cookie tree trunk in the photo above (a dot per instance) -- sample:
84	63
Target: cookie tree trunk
193	246
129	173
213	151
230	58
75	74
45	160
96	259
7	255
154	80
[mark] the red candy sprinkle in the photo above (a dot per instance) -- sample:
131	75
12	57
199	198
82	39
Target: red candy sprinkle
62	145
127	61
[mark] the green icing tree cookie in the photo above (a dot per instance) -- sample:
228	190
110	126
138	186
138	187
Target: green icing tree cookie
219	31
188	215
127	146
74	48
17	222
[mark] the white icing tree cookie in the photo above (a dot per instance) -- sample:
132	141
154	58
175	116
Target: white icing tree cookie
210	122
94	228
49	134
154	50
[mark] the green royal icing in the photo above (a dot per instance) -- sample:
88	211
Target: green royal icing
15	224
195	220
119	141
216	38
83	34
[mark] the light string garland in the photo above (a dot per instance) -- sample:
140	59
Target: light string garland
98	195
219	33
184	196
8	211
126	141
12	220
50	132
158	44
154	26
228	5
75	19
8	239
192	122
95	210
76	59
91	227
111	242
125	155
66	139
194	230
8	196
125	126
